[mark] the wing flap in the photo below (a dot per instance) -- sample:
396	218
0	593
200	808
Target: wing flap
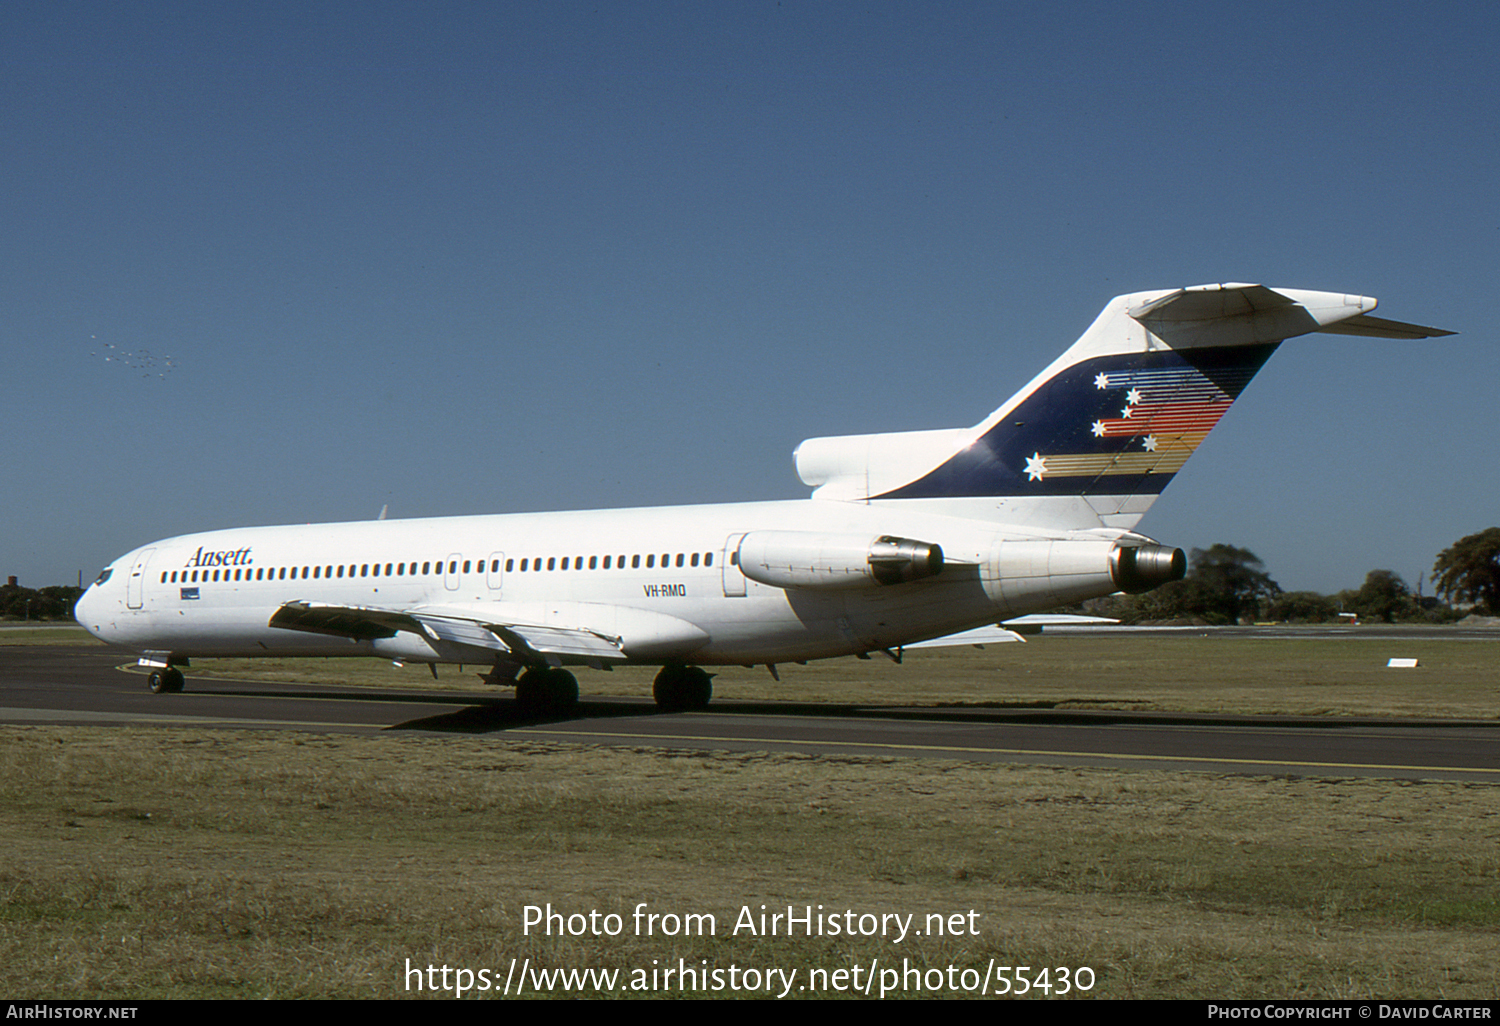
561	641
368	623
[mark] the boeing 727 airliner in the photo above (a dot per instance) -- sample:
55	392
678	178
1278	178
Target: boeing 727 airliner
907	537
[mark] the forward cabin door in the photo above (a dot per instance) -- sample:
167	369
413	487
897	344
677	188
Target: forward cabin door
135	584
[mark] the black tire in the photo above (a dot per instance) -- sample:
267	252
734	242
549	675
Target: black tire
165	682
682	688
547	692
561	690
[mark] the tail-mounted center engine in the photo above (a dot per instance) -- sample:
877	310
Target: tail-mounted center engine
805	559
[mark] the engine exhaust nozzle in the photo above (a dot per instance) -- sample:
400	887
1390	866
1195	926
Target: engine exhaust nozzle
1138	568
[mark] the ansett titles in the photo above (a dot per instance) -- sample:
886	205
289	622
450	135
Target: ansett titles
237	557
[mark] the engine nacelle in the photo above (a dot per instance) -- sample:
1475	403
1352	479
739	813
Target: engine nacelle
806	559
1031	574
1142	567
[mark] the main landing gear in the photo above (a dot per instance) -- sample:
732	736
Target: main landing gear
543	691
165	682
682	688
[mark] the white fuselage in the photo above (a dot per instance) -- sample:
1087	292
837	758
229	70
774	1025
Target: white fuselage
664	579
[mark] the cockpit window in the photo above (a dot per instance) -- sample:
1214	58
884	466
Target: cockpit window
104	575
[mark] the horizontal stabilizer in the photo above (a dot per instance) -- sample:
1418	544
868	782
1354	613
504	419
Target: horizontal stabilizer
1213	302
1379	327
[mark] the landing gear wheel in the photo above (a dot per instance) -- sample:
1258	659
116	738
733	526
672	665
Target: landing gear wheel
682	688
545	692
165	682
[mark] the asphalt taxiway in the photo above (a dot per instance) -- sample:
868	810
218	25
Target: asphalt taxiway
80	685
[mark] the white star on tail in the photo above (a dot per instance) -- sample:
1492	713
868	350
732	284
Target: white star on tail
1101	381
1133	396
1098	429
1036	466
1149	442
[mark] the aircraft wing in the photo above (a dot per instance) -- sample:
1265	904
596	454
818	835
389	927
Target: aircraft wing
978	637
366	623
1002	632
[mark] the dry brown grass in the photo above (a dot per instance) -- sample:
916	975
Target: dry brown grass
151	863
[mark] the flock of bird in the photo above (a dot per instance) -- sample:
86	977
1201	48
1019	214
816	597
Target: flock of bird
136	359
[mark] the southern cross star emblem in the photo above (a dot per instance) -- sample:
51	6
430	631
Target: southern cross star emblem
1133	396
1098	429
1101	381
1149	442
1036	466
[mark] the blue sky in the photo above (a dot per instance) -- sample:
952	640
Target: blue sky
489	257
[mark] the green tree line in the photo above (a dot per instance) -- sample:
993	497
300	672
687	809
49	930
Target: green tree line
52	603
1226	585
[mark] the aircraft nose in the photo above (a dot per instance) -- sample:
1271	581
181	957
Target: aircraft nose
86	612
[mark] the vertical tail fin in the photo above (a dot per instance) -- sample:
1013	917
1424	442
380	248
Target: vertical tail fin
1092	440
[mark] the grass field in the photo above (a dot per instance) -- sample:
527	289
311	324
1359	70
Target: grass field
166	863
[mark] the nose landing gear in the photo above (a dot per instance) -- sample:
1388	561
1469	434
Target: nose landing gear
165	682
